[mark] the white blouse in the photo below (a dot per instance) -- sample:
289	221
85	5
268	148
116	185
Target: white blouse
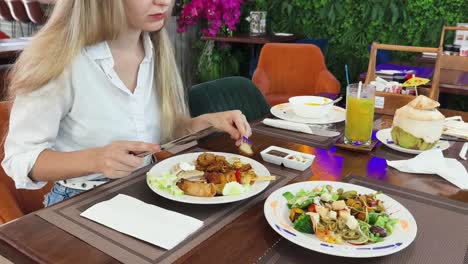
87	106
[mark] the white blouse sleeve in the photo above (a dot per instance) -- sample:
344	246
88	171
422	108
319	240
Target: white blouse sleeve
34	124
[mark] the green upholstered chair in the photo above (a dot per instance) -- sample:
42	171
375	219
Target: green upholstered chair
231	93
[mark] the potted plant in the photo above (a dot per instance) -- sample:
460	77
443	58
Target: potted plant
214	17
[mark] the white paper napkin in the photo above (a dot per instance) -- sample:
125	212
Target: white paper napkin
299	127
433	162
287	125
456	127
144	221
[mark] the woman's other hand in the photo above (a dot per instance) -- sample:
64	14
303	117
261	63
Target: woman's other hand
117	159
232	122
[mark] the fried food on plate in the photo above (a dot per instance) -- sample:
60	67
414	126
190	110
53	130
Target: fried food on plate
209	162
197	188
209	174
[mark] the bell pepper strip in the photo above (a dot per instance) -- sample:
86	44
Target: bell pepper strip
238	176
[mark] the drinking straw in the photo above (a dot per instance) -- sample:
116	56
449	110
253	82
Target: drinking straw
415	87
347	73
359	90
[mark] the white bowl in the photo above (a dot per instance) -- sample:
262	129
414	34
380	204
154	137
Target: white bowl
310	106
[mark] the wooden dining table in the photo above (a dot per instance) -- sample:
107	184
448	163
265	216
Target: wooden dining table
31	239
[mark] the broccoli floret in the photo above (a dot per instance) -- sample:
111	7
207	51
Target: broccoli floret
304	224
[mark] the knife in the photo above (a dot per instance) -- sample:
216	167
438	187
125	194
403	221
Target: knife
182	140
299	127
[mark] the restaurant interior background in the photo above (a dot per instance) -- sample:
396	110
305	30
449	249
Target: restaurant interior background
344	29
348	27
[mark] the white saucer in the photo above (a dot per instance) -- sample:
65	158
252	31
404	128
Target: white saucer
285	112
385	137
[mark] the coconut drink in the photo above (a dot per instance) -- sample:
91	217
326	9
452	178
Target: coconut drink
418	125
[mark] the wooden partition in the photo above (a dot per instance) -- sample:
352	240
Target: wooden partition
389	102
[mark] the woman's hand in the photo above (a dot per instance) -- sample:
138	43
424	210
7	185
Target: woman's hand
116	160
232	122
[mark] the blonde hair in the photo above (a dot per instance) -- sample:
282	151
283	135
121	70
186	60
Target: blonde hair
75	24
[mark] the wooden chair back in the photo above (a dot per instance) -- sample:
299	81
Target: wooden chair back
13	202
458	63
394	101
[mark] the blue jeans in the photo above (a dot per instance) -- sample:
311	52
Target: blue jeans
59	193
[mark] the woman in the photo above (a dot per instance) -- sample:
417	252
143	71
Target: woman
96	85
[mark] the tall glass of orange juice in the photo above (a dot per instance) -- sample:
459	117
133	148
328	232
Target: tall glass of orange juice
359	114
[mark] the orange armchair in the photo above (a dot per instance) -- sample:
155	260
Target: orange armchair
286	70
15	203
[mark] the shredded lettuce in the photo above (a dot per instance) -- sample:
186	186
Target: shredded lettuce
166	182
301	200
288	195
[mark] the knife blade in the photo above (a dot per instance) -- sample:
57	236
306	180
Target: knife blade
299	127
182	140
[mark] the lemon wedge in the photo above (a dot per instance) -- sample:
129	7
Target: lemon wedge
233	188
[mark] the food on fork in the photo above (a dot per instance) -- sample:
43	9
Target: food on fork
246	146
418	125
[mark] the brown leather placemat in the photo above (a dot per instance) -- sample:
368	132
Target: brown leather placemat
298	137
127	249
441	238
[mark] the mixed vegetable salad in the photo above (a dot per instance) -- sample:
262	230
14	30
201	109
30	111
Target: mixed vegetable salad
336	217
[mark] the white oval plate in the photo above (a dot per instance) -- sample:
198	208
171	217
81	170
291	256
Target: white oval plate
166	165
285	112
385	136
277	214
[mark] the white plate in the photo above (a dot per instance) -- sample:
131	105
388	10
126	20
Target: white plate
277	214
166	165
285	112
385	137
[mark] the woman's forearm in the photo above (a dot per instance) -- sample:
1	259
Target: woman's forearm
196	123
53	165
